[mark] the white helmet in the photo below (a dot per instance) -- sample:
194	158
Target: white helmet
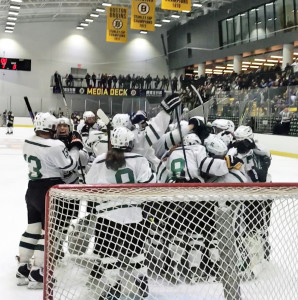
122	138
88	114
199	118
216	147
45	122
243	132
191	139
231	126
221	125
64	120
226	136
122	120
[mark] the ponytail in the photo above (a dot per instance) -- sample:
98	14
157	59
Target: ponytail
115	159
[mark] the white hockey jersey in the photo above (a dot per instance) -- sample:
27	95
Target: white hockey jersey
121	209
197	161
48	158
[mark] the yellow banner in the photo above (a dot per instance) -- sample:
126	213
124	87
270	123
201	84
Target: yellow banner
178	5
142	15
117	24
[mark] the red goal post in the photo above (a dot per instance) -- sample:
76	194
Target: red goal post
196	241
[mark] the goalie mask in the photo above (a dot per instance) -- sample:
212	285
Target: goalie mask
122	120
122	138
191	139
216	147
243	132
45	122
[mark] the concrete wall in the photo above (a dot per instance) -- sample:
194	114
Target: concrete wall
204	32
59	46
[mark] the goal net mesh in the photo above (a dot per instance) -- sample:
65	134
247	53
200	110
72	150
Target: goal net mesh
175	241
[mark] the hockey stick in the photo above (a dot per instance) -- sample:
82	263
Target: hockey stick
201	101
67	115
29	108
101	114
176	108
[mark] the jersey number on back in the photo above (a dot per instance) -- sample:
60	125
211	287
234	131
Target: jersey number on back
124	176
34	167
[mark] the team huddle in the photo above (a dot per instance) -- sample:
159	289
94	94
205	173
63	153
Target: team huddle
133	149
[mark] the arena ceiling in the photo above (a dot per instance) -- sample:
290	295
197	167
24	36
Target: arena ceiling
77	11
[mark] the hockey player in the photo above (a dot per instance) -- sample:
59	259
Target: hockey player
88	125
9	122
46	159
119	238
153	129
255	215
65	134
217	148
224	129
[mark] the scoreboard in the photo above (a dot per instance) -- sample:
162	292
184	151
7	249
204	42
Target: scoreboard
15	64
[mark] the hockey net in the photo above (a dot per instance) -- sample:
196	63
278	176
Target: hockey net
192	241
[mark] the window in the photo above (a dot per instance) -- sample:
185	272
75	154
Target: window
188	37
244	27
253	25
261	22
237	26
296	7
189	53
279	15
269	19
289	13
224	34
230	27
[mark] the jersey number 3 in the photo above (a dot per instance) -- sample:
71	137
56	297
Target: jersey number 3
34	167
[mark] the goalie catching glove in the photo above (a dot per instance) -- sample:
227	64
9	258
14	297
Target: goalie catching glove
170	102
76	141
233	162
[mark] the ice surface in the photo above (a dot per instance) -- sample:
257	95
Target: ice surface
13	178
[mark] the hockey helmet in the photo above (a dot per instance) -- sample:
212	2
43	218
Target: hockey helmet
243	132
45	122
219	125
122	138
122	120
64	121
88	114
191	139
226	136
216	147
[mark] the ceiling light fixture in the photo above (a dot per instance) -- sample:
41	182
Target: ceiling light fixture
80	27
175	16
84	24
14	7
106	4
260	59
11	23
197	5
100	9
9	28
12	18
157	25
143	32
14	13
94	15
165	20
89	20
276	56
18	1
8	31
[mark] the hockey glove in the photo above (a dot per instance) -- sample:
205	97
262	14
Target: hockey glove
199	128
76	141
233	162
85	130
139	117
170	102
